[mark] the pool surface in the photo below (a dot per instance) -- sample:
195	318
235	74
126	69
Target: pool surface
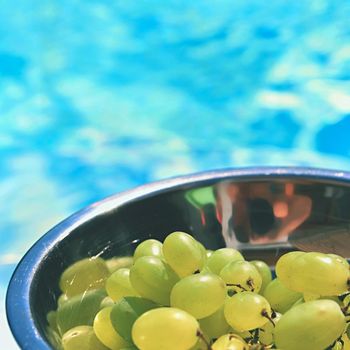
98	97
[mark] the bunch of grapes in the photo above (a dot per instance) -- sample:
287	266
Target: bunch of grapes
177	295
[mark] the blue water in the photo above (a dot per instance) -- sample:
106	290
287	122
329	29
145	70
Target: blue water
97	97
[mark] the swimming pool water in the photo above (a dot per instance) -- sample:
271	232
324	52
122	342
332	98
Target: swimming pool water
97	97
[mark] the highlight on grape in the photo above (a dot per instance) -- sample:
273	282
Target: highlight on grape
177	295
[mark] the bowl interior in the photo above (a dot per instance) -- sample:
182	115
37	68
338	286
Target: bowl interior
262	216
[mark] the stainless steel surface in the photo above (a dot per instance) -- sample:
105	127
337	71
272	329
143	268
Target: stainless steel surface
262	212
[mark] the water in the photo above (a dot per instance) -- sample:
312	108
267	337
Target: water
98	97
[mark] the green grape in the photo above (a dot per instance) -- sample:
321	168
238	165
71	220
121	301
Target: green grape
206	269
215	325
204	253
82	338
338	346
165	329
280	297
86	274
298	302
202	343
313	325
106	302
265	273
125	313
118	285
62	299
150	247
51	318
310	296
346	342
54	338
266	331
105	331
345	304
153	279
230	342
221	257
200	294
336	299
348	331
346	299
314	273
79	310
209	253
241	276
340	259
244	334
115	264
183	253
247	310
285	263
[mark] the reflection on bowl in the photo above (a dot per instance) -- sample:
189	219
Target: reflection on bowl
263	212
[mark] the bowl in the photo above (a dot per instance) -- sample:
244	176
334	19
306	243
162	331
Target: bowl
263	212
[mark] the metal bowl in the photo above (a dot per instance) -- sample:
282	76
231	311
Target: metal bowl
263	212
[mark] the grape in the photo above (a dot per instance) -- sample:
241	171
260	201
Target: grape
266	331
115	264
179	295
106	302
82	338
310	296
337	346
298	302
54	338
340	259
247	310
265	273
183	253
62	299
222	257
209	253
125	313
165	329
244	334
242	275
86	274
200	295
314	273
118	285
313	325
230	342
153	279
280	297
202	343
204	253
215	325
105	331
150	247
285	263
346	342
51	318
79	310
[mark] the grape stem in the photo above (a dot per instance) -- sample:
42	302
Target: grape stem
236	285
201	336
264	313
250	283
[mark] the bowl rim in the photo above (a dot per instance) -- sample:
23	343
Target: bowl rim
18	309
